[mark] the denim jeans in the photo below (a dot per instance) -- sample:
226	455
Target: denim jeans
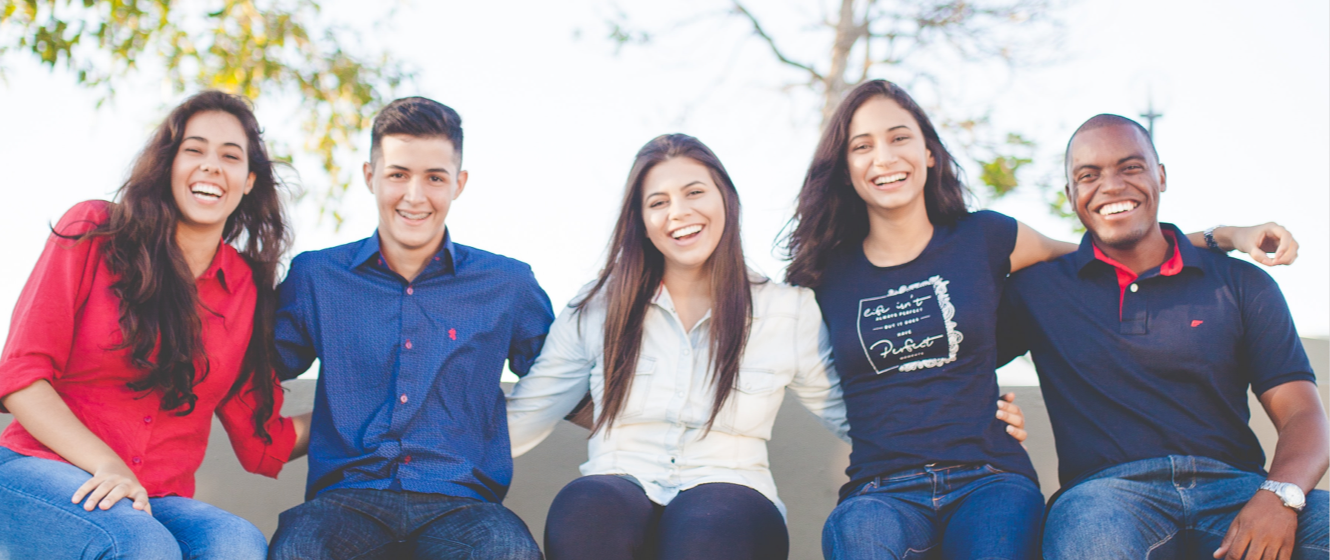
1168	507
364	523
37	520
962	511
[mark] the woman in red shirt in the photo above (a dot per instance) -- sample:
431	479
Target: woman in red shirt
140	321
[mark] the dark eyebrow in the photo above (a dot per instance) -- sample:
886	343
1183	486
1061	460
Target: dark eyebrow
1077	170
205	141
430	170
1130	157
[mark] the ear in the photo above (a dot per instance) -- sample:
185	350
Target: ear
1163	179
929	153
249	182
461	183
1071	196
368	170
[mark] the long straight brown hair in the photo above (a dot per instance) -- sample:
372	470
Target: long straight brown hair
634	272
159	302
831	215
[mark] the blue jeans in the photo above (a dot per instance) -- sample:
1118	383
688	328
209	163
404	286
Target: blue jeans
1169	507
364	523
37	520
963	511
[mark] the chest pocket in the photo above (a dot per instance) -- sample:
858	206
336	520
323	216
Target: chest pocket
639	394
755	401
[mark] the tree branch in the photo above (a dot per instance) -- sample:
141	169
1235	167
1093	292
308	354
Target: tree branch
757	30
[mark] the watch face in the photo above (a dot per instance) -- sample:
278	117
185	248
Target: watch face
1292	495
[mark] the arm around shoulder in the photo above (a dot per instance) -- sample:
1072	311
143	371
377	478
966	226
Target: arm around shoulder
816	382
554	385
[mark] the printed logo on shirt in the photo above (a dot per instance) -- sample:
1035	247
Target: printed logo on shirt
909	328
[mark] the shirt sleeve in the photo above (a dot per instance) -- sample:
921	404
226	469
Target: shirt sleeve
41	330
256	455
816	383
1271	349
295	341
999	232
534	315
551	389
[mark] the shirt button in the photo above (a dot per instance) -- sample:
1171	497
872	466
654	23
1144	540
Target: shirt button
671	460
408	341
410	290
403	399
1134	288
147	419
406	460
137	460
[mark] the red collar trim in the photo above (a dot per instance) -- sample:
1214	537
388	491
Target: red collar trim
1126	276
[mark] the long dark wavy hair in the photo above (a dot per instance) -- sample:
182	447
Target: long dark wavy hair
158	298
831	215
635	269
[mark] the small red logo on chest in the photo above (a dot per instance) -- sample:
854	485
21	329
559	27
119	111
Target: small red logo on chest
1196	322
452	333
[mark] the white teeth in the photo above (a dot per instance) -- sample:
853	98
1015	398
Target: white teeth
411	216
1117	207
685	231
889	179
206	189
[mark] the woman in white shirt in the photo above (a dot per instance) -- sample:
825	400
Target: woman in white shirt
687	355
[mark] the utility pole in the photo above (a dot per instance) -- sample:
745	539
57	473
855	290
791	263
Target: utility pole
1150	115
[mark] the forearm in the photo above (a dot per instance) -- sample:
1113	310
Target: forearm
1223	238
1302	454
41	411
301	425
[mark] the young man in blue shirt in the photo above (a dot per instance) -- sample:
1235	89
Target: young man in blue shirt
1145	348
409	450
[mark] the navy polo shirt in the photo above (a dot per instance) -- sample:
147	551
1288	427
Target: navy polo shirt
916	351
408	396
1155	365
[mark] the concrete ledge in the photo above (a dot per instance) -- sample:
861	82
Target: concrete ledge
808	464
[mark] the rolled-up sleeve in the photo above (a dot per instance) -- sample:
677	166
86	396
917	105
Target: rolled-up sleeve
816	383
554	385
256	455
41	330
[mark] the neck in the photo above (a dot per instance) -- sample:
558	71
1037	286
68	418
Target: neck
198	245
897	236
687	283
1141	255
408	262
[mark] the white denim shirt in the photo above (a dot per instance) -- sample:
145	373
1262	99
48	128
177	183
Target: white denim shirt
658	437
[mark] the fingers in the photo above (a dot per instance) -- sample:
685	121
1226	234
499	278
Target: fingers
1287	250
141	500
117	492
1274	238
84	489
1011	413
1227	543
104	487
1017	433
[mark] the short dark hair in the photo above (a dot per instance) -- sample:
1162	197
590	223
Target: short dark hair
420	117
1105	119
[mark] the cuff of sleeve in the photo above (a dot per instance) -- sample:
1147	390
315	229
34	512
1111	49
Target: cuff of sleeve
20	373
1267	384
276	455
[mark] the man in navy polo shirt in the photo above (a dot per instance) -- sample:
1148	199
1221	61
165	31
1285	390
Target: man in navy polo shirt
409	451
1145	348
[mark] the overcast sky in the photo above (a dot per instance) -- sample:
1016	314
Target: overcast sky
553	117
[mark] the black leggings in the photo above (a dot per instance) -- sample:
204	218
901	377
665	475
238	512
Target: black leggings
605	517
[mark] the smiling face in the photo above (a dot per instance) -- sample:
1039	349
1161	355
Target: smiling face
414	181
683	211
210	173
1114	184
888	158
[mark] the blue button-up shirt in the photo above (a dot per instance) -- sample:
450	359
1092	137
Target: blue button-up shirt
408	395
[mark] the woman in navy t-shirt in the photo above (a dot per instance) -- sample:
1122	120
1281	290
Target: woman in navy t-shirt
909	282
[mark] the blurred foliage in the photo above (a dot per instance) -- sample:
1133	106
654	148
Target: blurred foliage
916	43
255	48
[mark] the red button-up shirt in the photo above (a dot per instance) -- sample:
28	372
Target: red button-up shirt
64	329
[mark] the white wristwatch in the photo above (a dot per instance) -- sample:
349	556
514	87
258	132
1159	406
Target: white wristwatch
1289	493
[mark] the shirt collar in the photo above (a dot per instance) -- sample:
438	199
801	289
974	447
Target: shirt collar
370	253
224	266
1184	254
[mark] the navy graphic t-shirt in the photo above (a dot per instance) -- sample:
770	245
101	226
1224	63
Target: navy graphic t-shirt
916	349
